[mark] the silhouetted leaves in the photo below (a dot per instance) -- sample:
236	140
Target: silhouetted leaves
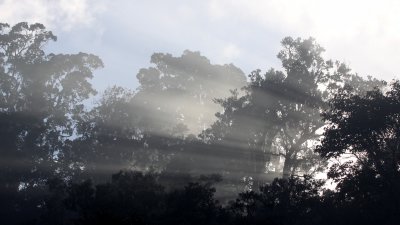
365	127
40	96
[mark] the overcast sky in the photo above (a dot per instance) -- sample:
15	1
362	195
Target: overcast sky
124	33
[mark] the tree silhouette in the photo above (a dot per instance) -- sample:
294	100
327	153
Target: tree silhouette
278	117
284	201
180	90
107	136
132	198
366	128
40	96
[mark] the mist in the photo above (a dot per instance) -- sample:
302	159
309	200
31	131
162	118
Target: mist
196	142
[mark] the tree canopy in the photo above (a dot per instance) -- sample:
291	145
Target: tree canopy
278	118
192	82
363	134
41	96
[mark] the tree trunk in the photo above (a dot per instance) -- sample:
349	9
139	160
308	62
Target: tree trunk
287	168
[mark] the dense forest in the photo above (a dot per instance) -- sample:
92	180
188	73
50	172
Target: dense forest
195	143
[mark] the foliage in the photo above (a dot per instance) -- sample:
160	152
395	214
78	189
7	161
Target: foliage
279	115
40	98
193	82
284	201
366	127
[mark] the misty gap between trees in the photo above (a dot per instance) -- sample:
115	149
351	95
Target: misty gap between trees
196	142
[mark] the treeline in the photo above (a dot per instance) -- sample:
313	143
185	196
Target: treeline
193	129
137	198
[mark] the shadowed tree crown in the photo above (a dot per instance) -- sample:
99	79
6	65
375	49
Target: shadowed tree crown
275	126
40	97
180	90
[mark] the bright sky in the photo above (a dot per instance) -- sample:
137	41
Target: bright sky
124	33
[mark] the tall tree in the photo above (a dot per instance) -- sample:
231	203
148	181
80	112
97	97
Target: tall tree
106	135
40	95
362	139
277	123
111	137
143	130
180	90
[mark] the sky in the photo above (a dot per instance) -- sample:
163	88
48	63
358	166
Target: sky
125	33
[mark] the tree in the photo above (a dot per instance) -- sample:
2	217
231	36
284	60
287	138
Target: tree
130	198
180	90
195	204
143	130
40	96
107	136
278	118
111	137
283	201
365	127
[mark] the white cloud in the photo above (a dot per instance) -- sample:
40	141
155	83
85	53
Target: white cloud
326	18
364	33
63	14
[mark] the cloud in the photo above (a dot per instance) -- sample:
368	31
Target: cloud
363	33
340	18
64	14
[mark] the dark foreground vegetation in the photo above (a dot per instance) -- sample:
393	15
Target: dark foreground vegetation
195	143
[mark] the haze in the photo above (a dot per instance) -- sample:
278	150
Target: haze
211	112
